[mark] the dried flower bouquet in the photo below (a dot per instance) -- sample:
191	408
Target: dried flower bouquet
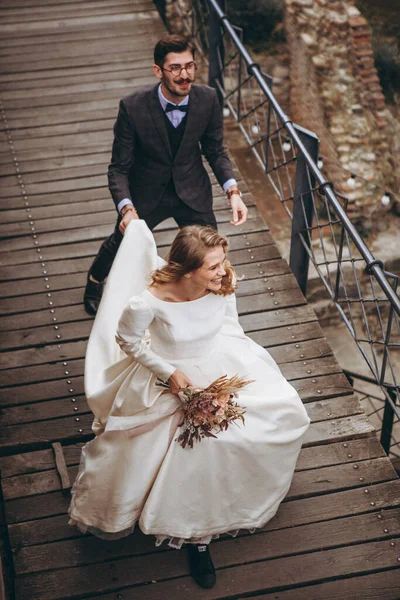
209	411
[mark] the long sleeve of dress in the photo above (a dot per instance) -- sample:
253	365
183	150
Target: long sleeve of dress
130	336
231	324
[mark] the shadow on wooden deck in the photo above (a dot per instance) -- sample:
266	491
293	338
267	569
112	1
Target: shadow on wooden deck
66	64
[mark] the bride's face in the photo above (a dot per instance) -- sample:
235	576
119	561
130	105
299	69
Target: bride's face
210	274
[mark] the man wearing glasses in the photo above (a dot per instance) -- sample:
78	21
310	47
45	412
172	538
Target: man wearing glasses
156	170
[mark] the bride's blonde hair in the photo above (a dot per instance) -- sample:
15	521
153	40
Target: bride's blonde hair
187	254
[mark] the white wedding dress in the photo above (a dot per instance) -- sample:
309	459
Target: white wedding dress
134	471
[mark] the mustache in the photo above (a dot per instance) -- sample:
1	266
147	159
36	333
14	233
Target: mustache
184	80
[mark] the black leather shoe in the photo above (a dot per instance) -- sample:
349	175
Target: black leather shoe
201	565
92	297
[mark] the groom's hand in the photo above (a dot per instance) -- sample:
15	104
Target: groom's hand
239	209
127	217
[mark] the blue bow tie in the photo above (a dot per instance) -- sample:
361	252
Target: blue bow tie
170	107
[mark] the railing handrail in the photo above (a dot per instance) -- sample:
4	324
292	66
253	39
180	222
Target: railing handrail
326	187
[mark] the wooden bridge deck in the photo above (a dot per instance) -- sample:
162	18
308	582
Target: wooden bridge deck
65	65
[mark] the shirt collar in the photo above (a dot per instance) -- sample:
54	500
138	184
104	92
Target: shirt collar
164	101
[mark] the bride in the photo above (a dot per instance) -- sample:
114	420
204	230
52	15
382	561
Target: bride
183	328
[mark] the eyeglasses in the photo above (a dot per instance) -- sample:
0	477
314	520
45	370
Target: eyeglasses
176	70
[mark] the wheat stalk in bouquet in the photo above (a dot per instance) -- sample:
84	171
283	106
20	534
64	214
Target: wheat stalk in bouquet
209	411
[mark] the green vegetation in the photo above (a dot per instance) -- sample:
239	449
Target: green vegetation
387	63
261	21
384	19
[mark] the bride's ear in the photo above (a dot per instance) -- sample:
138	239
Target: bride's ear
188	275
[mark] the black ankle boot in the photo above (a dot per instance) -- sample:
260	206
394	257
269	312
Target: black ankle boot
92	297
201	565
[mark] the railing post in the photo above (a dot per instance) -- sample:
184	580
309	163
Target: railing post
269	81
303	208
216	51
387	422
161	6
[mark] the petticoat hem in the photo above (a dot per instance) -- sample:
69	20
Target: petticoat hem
173	542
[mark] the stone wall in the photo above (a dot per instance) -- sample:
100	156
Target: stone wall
335	91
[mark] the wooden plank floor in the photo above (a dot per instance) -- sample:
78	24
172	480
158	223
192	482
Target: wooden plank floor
65	65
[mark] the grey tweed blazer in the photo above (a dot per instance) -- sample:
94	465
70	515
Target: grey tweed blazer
142	163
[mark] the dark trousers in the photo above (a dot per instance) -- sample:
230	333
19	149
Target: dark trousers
170	206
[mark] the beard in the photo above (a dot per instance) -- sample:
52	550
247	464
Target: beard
173	88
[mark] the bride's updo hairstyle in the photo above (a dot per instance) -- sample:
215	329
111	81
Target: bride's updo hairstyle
187	254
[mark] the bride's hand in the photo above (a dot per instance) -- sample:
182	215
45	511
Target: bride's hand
177	381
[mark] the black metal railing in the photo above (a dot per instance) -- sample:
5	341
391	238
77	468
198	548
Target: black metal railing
324	239
377	408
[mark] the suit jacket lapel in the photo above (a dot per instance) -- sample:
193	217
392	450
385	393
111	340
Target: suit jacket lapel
157	114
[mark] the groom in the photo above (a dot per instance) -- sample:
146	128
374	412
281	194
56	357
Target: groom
156	170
